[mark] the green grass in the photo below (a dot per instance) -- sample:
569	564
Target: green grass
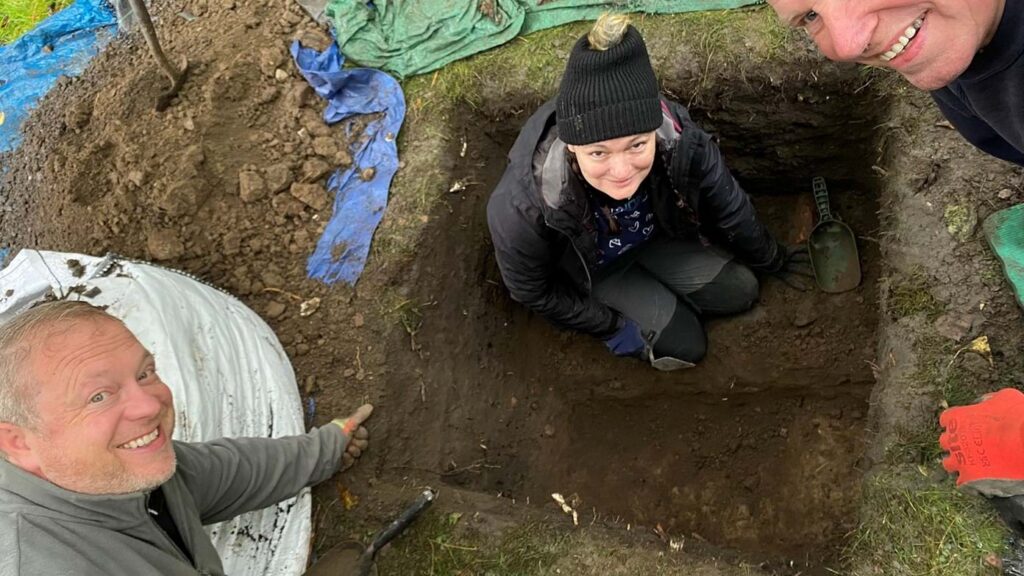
937	370
20	16
934	373
916	445
912	527
531	65
441	545
525	65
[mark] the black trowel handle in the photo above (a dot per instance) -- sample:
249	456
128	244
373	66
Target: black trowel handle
395	528
821	199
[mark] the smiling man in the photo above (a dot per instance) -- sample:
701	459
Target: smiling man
968	53
91	481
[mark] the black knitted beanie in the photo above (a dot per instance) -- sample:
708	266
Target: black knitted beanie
607	94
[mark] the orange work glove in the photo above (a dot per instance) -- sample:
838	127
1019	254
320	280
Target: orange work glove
356	436
985	442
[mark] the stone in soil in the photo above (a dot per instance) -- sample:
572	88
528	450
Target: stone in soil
278	177
181	198
251	186
314	169
286	205
164	244
312	195
325	146
956	326
274	309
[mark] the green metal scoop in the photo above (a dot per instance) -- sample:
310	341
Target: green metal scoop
832	247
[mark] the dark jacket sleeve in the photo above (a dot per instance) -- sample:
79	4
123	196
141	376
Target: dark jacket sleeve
720	202
524	248
974	129
230	476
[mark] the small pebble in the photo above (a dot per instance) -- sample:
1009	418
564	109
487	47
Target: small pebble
275	309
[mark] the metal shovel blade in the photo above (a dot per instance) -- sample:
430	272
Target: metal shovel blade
353	559
341	560
832	247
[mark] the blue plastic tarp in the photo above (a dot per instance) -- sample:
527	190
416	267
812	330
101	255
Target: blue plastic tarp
61	45
360	191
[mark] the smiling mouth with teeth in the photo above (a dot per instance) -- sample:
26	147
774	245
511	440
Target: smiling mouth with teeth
142	441
904	40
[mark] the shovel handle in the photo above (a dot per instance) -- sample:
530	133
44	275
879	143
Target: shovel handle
821	199
396	527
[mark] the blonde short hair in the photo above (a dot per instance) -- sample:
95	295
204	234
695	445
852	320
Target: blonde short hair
17	389
607	31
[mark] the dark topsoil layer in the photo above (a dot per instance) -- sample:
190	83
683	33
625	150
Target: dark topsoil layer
752	449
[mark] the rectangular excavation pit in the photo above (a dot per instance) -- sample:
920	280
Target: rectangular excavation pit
755	450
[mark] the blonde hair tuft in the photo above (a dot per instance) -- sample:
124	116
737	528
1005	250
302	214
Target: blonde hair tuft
608	31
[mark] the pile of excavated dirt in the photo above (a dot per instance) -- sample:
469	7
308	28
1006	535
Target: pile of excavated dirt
759	449
228	183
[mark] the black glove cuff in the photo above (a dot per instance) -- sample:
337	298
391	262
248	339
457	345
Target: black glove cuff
616	324
775	262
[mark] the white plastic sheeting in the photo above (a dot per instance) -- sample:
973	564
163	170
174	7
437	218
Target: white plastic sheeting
228	372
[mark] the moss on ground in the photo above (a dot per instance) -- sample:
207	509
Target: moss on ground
910	295
961	220
915	527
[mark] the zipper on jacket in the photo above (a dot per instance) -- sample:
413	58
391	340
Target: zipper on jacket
181	553
590	281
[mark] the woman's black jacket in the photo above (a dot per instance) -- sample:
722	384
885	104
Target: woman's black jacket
542	228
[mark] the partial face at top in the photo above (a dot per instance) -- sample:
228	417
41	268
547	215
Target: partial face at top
105	417
617	167
929	42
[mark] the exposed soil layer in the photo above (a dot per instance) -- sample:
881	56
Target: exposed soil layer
758	448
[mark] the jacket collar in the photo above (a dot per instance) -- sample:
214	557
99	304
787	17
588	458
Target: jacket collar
1005	48
25	493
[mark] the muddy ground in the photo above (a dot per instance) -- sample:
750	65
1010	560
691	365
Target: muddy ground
756	456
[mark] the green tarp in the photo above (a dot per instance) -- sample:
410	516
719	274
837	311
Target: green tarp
407	37
1004	231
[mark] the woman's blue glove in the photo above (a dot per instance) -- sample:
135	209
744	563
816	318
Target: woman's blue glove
626	341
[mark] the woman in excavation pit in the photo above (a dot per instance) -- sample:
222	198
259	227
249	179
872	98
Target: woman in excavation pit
617	216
